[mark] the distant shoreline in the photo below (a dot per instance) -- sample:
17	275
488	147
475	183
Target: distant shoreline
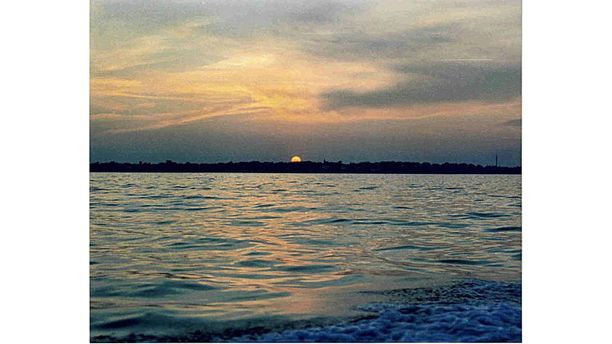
384	167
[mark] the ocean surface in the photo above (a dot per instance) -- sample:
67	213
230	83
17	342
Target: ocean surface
305	257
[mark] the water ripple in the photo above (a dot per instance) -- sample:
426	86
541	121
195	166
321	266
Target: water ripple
178	252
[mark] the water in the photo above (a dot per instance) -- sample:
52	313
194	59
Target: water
293	257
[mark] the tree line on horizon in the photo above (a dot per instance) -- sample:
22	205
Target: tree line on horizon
305	167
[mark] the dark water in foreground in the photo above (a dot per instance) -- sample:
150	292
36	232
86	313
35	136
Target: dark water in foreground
292	257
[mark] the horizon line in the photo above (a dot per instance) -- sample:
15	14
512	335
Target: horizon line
168	161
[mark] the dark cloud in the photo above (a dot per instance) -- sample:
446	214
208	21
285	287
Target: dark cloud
437	83
362	45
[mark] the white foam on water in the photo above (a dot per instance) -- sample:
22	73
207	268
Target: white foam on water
414	323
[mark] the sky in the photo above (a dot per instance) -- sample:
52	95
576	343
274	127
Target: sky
243	80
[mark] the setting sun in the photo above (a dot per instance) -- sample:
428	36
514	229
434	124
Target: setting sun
296	158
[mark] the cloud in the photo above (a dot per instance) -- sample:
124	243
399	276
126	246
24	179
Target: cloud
420	31
372	46
232	15
437	83
140	36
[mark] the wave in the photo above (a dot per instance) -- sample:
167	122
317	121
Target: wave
414	323
467	311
